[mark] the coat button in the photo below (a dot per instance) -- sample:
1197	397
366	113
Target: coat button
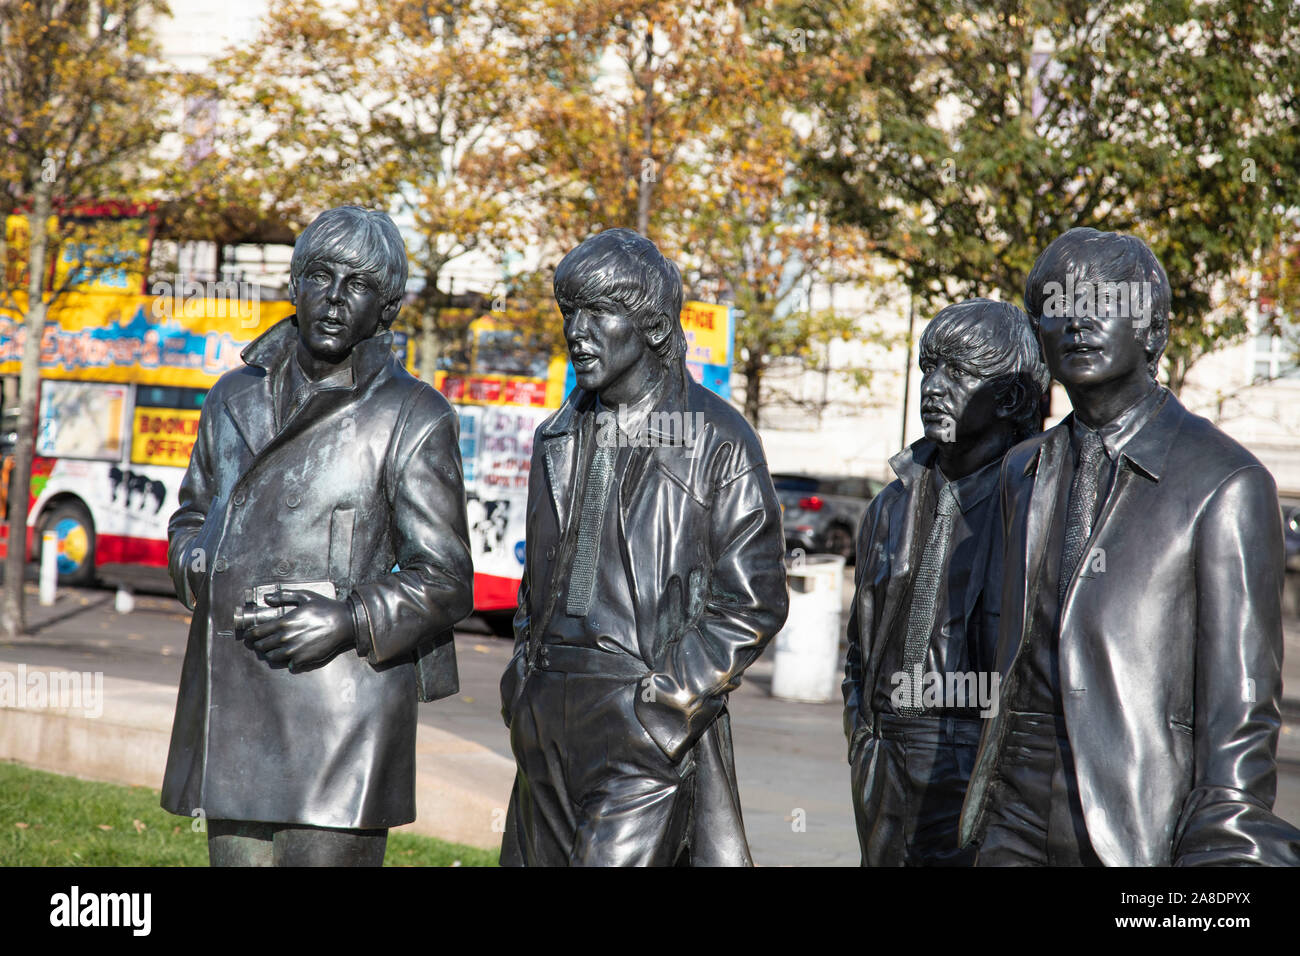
239	499
292	501
282	568
221	565
550	554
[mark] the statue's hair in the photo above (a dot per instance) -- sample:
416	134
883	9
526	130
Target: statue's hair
1090	255
626	268
996	341
365	239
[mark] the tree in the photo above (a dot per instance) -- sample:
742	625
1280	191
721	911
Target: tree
396	104
78	106
669	118
965	137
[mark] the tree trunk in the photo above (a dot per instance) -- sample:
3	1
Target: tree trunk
427	363
753	369
647	174
13	620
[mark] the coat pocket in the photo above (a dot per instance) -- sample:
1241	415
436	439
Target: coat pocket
342	521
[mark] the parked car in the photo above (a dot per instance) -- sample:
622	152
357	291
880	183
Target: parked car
822	513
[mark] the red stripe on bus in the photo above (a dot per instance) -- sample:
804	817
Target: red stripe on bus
495	593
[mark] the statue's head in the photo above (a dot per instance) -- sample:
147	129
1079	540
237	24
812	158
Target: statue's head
981	369
346	278
622	303
1100	303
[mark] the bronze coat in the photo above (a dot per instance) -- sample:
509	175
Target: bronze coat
1170	658
702	546
362	478
888	553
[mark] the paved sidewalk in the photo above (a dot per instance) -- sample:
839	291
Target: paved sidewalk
790	761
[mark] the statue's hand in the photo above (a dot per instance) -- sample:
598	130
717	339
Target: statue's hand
316	628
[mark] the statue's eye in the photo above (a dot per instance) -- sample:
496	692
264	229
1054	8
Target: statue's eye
359	285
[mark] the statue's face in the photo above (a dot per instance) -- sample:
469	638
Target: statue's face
1087	343
338	307
606	348
956	401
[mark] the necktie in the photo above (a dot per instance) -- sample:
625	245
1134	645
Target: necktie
925	593
1083	501
591	521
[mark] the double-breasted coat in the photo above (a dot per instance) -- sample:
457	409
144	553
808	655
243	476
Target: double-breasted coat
701	543
1170	645
361	487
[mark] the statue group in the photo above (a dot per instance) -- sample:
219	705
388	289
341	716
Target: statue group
1118	578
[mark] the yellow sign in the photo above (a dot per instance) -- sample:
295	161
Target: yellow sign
108	257
164	436
708	332
149	340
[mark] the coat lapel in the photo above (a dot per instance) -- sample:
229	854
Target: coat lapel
911	467
252	412
1046	467
253	408
559	449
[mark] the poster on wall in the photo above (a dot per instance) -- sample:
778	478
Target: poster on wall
497	449
81	420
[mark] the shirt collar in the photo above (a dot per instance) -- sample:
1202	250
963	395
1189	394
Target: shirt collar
631	419
972	489
1117	433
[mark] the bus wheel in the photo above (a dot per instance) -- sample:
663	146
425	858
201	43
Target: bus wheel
76	542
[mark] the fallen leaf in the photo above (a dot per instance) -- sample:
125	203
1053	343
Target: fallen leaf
21	826
139	826
103	826
482	649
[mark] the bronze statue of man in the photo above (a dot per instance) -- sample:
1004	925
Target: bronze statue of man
919	673
321	542
653	577
1141	637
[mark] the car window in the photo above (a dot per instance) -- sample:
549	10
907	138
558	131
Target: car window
799	483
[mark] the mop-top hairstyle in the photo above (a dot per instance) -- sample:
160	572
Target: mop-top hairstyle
365	239
626	269
996	341
1086	260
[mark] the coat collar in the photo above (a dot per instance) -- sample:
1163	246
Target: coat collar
566	420
919	460
560	433
273	348
252	408
1145	438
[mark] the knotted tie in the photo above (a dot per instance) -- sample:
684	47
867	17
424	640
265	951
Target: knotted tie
591	521
925	593
1083	501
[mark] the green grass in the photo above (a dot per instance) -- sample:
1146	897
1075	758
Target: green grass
50	820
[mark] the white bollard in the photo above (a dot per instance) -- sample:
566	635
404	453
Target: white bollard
805	665
49	580
125	603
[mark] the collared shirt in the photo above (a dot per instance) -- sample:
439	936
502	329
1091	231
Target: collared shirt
294	388
954	647
611	623
1040	690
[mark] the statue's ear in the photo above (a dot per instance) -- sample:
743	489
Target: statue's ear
293	290
390	312
1011	395
658	330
